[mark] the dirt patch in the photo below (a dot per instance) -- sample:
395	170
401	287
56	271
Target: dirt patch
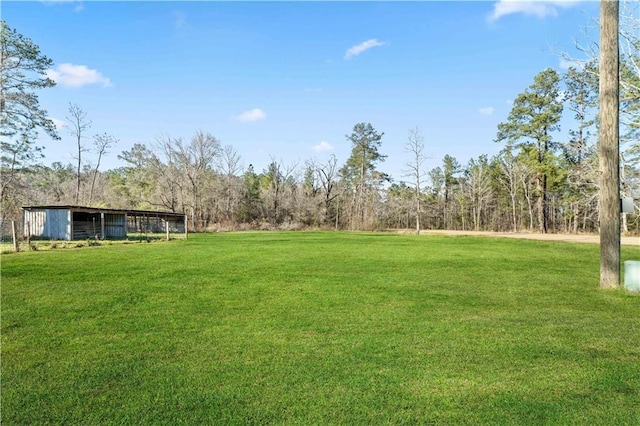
573	238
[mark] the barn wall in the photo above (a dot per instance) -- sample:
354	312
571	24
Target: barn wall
58	224
34	223
52	224
115	226
83	222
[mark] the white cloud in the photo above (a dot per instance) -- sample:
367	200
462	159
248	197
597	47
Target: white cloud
251	115
538	8
77	76
359	48
323	146
59	123
79	5
486	110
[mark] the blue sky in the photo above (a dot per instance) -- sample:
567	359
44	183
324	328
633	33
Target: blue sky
289	80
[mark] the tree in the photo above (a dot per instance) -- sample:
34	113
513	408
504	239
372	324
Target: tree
628	57
79	124
326	174
514	175
450	168
535	115
274	181
228	165
55	183
22	71
436	194
400	199
476	185
415	148
135	182
628	22
251	202
189	174
609	146
102	144
360	169
580	97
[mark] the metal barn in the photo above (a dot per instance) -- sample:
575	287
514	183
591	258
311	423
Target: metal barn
79	223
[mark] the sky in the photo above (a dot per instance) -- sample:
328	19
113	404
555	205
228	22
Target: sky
289	80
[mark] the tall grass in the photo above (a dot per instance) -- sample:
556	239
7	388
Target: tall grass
318	328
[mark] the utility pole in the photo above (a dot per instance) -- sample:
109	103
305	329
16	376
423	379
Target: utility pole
609	146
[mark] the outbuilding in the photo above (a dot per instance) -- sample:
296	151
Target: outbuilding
80	223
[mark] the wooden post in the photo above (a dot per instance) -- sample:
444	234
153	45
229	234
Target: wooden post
186	228
166	226
15	237
102	226
608	146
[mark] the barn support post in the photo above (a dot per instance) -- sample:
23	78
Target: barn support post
166	226
102	226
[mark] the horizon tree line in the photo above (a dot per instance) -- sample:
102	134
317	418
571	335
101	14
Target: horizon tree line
540	181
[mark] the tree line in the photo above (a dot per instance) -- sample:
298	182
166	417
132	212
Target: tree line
542	180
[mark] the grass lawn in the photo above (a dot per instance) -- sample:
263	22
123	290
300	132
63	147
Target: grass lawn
318	328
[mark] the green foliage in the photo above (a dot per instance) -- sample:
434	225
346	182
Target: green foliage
22	71
535	114
135	183
581	97
450	168
250	205
360	167
318	328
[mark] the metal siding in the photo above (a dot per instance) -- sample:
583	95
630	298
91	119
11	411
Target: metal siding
115	226
34	224
50	223
58	221
68	226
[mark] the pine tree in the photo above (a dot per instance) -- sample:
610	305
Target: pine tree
534	117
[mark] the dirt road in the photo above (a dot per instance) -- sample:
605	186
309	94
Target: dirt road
586	238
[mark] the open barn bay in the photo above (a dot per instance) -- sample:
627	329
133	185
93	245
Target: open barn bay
318	328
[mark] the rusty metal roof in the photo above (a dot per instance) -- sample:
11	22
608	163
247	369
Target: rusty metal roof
86	209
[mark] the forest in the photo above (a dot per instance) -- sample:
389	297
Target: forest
542	180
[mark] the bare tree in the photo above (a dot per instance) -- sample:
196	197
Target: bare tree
508	167
275	179
102	144
192	166
228	165
327	175
79	124
415	148
476	185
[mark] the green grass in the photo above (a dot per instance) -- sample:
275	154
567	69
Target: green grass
318	328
